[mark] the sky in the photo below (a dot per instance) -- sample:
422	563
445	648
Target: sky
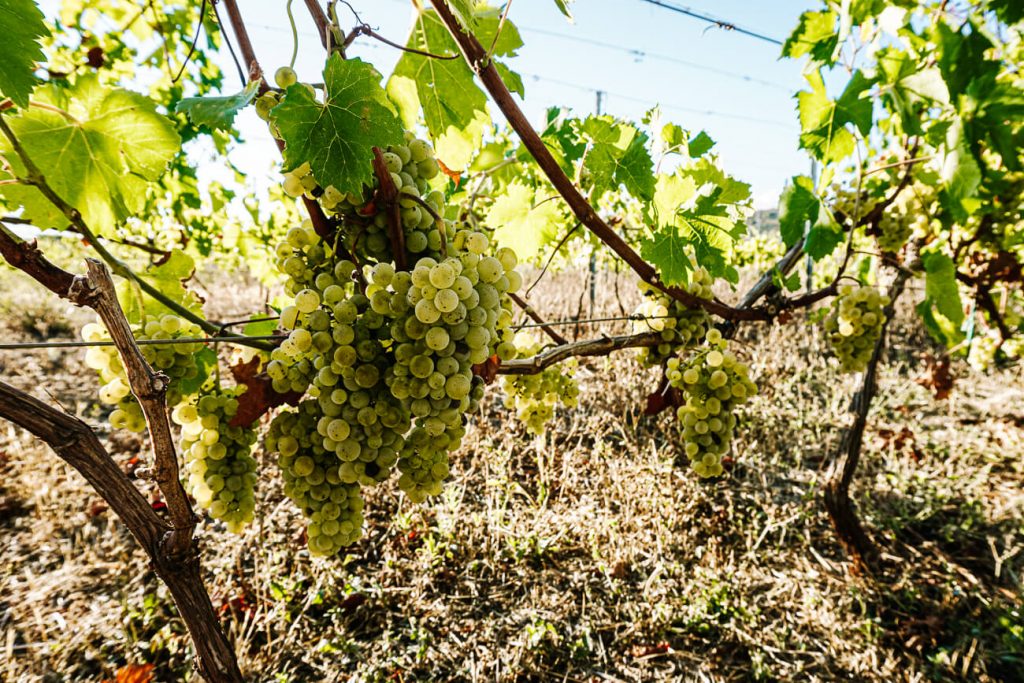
637	54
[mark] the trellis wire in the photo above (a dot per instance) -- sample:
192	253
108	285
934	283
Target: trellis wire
16	346
234	339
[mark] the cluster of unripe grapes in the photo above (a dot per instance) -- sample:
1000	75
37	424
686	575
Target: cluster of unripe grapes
384	354
679	326
854	324
535	397
177	361
221	470
714	382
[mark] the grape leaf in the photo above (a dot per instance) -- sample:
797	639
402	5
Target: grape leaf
815	34
259	396
617	156
700	145
21	25
169	278
666	251
337	136
563	7
824	236
822	121
445	88
217	113
798	204
942	309
960	172
97	149
519	222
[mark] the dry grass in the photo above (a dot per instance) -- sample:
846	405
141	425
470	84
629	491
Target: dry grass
584	555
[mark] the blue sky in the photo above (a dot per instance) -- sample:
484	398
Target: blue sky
731	85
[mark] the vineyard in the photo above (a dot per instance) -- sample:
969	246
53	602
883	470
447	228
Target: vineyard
466	396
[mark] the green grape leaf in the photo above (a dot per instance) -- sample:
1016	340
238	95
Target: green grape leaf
666	251
942	308
798	204
617	156
815	34
700	145
169	279
464	11
523	222
823	121
21	25
97	148
706	171
961	174
563	7
217	113
206	360
684	220
337	136
824	236
445	88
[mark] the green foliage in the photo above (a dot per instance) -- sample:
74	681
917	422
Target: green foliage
617	155
169	279
452	103
217	113
814	35
98	148
21	25
337	137
941	309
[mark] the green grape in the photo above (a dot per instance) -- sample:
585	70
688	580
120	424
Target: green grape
853	325
679	326
285	77
714	382
222	471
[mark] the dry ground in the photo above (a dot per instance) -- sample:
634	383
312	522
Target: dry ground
584	555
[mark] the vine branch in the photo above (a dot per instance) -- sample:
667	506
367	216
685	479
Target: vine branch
535	317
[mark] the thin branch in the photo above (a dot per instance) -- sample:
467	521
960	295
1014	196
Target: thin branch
365	30
551	258
535	317
195	41
588	347
231	48
478	61
501	25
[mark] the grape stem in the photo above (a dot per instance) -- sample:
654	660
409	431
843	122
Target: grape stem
387	201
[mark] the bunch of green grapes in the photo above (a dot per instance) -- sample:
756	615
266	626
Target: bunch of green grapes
758	252
853	325
679	326
714	382
177	361
983	349
312	480
909	214
846	202
535	397
384	353
221	471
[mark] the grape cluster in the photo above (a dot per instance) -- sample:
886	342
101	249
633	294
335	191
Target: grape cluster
853	324
679	326
384	354
221	471
908	215
312	479
714	382
177	361
534	397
